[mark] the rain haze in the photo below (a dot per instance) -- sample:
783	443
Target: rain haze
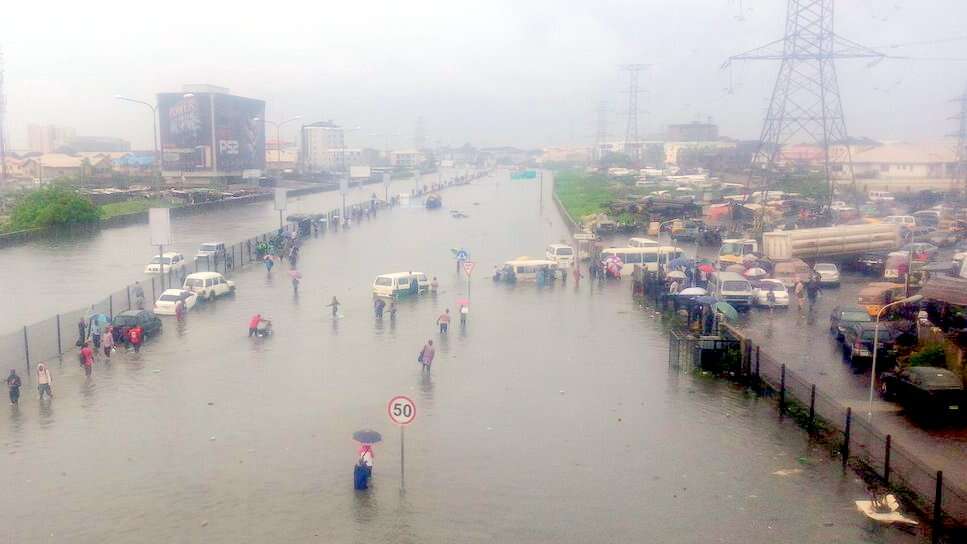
490	73
522	271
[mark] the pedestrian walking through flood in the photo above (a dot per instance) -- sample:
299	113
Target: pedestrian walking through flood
14	383
444	321
426	355
44	381
335	307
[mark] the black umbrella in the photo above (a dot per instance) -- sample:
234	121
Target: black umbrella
367	436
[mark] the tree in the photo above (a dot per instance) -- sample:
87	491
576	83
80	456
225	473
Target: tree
53	205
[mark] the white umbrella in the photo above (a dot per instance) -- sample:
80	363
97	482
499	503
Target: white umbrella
756	273
676	274
693	292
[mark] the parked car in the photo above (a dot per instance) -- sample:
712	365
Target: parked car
762	288
165	305
212	250
145	318
165	263
208	285
925	389
843	317
858	343
871	263
828	273
922	251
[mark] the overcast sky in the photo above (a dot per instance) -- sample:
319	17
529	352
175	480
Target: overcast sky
495	72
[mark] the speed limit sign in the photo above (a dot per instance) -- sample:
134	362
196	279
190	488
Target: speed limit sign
402	410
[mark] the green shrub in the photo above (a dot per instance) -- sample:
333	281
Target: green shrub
53	205
930	355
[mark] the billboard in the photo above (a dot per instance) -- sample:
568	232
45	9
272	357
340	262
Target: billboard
186	123
185	127
240	133
360	172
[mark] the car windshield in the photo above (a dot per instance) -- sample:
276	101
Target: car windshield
385	282
825	268
769	286
194	283
157	260
857	316
565	251
885	335
735	286
730	248
169	298
209	247
125	320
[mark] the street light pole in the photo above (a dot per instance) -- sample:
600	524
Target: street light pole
876	341
278	135
154	133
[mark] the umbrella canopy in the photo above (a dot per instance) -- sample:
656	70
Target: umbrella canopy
756	273
676	274
681	262
735	268
463	301
707	268
692	292
367	436
295	274
613	259
749	258
727	310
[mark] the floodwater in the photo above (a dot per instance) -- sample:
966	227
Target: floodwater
551	417
62	273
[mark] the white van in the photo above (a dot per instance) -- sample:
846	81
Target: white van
400	284
162	264
642	242
906	221
526	269
732	288
648	257
562	254
208	285
881	196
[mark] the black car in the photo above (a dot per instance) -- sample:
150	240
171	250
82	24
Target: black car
925	389
145	318
844	316
858	343
871	264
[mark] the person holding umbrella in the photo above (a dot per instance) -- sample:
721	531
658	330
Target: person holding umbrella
296	278
363	471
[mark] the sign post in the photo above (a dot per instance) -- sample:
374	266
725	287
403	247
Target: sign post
343	189
468	268
281	202
159	223
402	412
386	181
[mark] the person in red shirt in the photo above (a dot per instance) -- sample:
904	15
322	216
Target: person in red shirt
87	359
253	324
136	336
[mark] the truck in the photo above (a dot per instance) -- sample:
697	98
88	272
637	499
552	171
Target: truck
950	288
831	242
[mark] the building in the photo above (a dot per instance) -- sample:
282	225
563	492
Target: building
48	138
406	158
692	132
97	144
319	140
906	161
209	135
286	158
564	155
50	166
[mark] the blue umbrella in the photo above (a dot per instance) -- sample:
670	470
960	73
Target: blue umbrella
367	436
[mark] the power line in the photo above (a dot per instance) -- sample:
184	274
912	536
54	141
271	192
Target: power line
632	145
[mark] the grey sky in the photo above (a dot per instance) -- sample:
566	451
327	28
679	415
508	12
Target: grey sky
512	72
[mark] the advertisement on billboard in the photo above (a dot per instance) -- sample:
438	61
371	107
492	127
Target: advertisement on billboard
186	123
240	132
185	127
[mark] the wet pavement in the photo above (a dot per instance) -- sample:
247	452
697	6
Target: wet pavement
551	417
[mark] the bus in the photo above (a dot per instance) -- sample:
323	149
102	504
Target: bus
648	257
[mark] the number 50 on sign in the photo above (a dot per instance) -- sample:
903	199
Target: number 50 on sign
402	410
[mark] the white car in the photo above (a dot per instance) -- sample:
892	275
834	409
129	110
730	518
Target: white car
163	264
165	305
761	291
828	273
208	285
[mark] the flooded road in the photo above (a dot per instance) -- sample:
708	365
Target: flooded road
551	417
62	273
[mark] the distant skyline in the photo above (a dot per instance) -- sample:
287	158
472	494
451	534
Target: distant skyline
524	73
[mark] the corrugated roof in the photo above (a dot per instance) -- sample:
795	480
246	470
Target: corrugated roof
907	153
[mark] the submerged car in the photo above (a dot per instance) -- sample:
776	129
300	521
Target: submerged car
925	389
163	264
858	343
762	288
842	317
165	305
828	273
208	285
145	318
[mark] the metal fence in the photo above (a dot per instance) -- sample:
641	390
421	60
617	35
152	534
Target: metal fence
53	337
862	440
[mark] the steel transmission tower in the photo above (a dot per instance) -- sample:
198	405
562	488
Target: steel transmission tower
805	101
632	145
960	172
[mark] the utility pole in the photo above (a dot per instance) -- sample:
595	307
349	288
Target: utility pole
601	132
805	99
960	171
632	145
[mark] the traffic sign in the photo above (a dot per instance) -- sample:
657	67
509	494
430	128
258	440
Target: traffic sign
468	267
402	410
462	255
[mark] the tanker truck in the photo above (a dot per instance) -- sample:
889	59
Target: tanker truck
831	243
